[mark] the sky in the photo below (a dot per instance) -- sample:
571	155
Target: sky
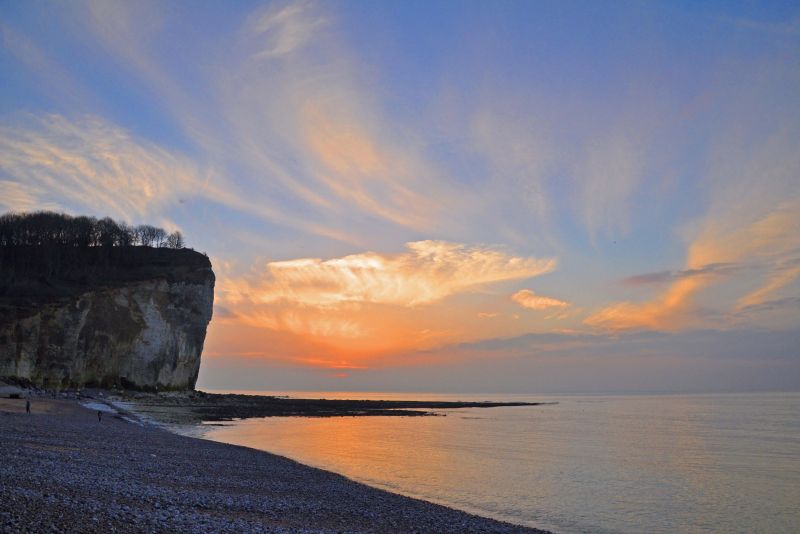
528	197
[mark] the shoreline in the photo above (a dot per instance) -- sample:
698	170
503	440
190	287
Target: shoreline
197	406
64	470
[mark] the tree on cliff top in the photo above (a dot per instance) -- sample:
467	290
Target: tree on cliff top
50	228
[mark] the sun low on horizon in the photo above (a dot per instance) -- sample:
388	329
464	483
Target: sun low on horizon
537	197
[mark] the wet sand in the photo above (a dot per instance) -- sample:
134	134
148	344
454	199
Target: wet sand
63	471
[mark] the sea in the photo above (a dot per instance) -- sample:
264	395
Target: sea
599	464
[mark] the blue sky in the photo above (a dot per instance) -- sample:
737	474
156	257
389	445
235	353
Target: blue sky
397	191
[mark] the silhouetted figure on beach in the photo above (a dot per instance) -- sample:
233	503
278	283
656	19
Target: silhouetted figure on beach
99	416
27	406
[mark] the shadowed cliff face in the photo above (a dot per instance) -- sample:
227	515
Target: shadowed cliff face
131	317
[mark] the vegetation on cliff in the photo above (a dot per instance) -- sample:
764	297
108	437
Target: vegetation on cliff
47	228
48	256
88	302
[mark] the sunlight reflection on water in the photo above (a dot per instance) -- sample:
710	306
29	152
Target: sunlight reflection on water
704	463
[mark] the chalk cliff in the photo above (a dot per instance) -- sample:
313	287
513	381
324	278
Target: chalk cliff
132	317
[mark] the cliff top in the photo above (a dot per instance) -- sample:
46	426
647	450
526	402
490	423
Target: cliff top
32	275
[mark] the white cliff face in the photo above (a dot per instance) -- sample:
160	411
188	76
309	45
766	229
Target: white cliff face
145	334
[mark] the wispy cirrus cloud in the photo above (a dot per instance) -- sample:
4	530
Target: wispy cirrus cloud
285	27
90	163
769	245
519	155
321	142
303	127
304	144
610	173
743	250
15	196
362	170
528	299
129	33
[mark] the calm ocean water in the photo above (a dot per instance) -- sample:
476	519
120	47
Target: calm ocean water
701	463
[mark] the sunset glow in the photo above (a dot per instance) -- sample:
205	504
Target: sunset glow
485	199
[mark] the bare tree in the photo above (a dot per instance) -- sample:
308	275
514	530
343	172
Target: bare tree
160	239
148	234
175	240
108	232
50	228
126	236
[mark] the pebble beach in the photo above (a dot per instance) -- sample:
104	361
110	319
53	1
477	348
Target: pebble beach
62	470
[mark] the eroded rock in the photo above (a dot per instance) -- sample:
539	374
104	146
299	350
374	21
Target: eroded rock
142	330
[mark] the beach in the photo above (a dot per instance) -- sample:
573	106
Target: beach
63	470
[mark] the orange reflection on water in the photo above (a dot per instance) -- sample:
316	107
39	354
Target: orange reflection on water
623	464
360	447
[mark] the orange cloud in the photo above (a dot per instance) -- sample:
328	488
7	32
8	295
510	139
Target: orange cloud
365	304
667	312
429	271
769	243
528	299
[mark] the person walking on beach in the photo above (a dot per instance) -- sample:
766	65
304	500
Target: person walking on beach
99	416
27	406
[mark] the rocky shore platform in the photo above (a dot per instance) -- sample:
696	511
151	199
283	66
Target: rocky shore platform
63	470
197	406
